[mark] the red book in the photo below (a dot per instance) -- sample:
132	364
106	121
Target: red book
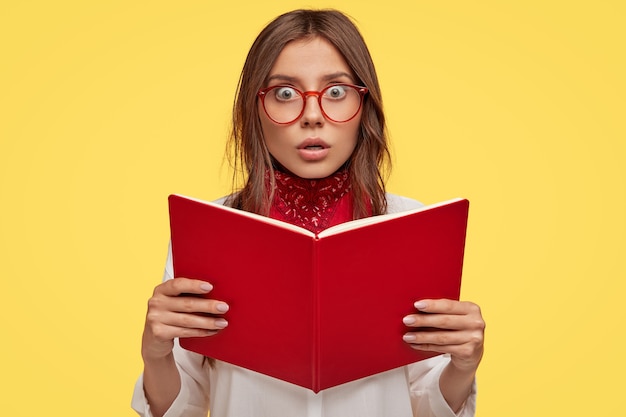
317	310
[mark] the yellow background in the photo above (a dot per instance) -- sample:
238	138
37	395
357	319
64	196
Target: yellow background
106	107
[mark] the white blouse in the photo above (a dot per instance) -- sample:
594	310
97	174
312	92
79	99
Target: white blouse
411	390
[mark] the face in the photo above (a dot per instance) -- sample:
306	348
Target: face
312	146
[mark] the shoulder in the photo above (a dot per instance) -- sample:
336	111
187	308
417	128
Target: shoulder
397	203
221	200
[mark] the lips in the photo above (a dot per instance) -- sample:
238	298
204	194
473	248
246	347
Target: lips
313	149
313	144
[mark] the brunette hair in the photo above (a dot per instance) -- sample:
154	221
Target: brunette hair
369	163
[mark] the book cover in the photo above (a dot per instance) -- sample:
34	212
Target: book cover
317	310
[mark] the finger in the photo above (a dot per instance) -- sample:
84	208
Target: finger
435	348
178	286
446	306
166	333
160	304
465	355
440	338
191	304
191	321
439	321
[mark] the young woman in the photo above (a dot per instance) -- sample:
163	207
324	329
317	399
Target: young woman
308	128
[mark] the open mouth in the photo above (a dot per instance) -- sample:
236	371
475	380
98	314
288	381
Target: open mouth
314	147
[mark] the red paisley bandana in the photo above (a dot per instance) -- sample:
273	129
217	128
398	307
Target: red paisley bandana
312	204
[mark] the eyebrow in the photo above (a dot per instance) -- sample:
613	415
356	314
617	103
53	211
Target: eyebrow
327	77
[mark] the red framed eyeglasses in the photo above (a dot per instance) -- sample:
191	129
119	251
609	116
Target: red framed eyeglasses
339	103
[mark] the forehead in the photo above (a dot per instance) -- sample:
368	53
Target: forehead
310	58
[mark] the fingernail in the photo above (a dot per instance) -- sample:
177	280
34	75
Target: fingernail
408	337
420	305
221	323
206	287
408	320
222	307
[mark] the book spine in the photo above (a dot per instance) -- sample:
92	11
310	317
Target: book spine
315	362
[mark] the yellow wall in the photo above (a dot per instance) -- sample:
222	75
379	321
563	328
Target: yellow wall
106	107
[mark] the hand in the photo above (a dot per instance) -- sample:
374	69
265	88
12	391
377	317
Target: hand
454	327
176	310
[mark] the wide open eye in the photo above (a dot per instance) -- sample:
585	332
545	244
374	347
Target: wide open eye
336	92
285	93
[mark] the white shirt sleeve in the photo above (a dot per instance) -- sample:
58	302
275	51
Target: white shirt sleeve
426	397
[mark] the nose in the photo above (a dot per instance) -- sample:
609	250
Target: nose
312	114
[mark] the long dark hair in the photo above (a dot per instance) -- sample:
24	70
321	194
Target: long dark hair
369	163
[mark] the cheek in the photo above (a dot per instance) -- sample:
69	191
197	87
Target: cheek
268	129
354	130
